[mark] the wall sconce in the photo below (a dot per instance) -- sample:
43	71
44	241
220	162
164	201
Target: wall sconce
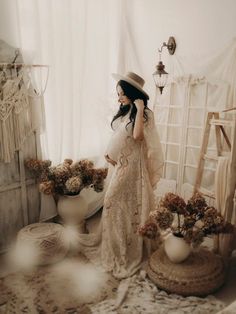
160	75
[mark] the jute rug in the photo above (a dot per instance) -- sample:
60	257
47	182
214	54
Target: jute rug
61	289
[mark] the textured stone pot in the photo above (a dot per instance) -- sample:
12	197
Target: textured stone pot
72	210
176	248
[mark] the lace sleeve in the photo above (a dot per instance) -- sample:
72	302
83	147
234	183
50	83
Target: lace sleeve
153	148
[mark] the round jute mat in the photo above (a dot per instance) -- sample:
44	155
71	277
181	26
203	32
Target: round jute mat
200	274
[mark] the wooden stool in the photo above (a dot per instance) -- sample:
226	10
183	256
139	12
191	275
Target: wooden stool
200	274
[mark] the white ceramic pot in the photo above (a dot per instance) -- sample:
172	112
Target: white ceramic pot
72	210
176	248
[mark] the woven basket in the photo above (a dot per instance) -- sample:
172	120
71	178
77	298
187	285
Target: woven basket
200	274
47	239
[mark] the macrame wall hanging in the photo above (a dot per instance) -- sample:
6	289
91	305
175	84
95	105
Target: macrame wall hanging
19	114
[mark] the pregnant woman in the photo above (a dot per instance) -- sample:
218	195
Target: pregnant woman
135	165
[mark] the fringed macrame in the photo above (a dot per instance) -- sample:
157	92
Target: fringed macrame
17	112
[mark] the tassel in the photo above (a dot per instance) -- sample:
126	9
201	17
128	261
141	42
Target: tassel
20	115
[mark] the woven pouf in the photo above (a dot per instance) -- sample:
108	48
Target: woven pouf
46	239
200	274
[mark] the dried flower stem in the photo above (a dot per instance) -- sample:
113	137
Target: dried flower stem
178	222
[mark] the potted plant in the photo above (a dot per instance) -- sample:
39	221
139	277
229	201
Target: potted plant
65	182
187	223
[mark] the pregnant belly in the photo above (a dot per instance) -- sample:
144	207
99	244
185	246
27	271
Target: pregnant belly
115	145
113	150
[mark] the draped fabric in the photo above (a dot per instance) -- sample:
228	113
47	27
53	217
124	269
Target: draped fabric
80	41
128	200
221	177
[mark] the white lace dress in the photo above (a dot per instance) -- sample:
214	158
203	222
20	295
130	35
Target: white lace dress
128	200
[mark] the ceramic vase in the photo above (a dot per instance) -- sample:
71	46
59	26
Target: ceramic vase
176	248
72	210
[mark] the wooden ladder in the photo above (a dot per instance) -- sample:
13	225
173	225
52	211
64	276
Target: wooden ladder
213	119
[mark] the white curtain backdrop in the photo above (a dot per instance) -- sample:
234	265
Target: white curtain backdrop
83	42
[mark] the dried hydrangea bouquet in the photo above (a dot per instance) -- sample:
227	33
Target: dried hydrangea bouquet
65	182
187	223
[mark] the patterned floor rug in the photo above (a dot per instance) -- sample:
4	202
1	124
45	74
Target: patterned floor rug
46	291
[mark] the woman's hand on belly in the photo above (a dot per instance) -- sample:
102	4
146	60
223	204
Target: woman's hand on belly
111	161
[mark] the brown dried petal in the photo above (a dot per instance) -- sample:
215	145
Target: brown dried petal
47	187
174	203
163	217
73	185
149	230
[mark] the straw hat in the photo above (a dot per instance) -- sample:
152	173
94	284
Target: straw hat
133	79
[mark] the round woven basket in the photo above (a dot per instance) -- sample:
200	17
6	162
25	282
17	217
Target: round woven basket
46	239
200	274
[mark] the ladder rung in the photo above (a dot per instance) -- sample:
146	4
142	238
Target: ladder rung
205	193
221	122
210	157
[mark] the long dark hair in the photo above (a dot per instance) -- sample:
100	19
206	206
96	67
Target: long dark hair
132	93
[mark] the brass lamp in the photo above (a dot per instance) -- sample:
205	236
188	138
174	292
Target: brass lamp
160	76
